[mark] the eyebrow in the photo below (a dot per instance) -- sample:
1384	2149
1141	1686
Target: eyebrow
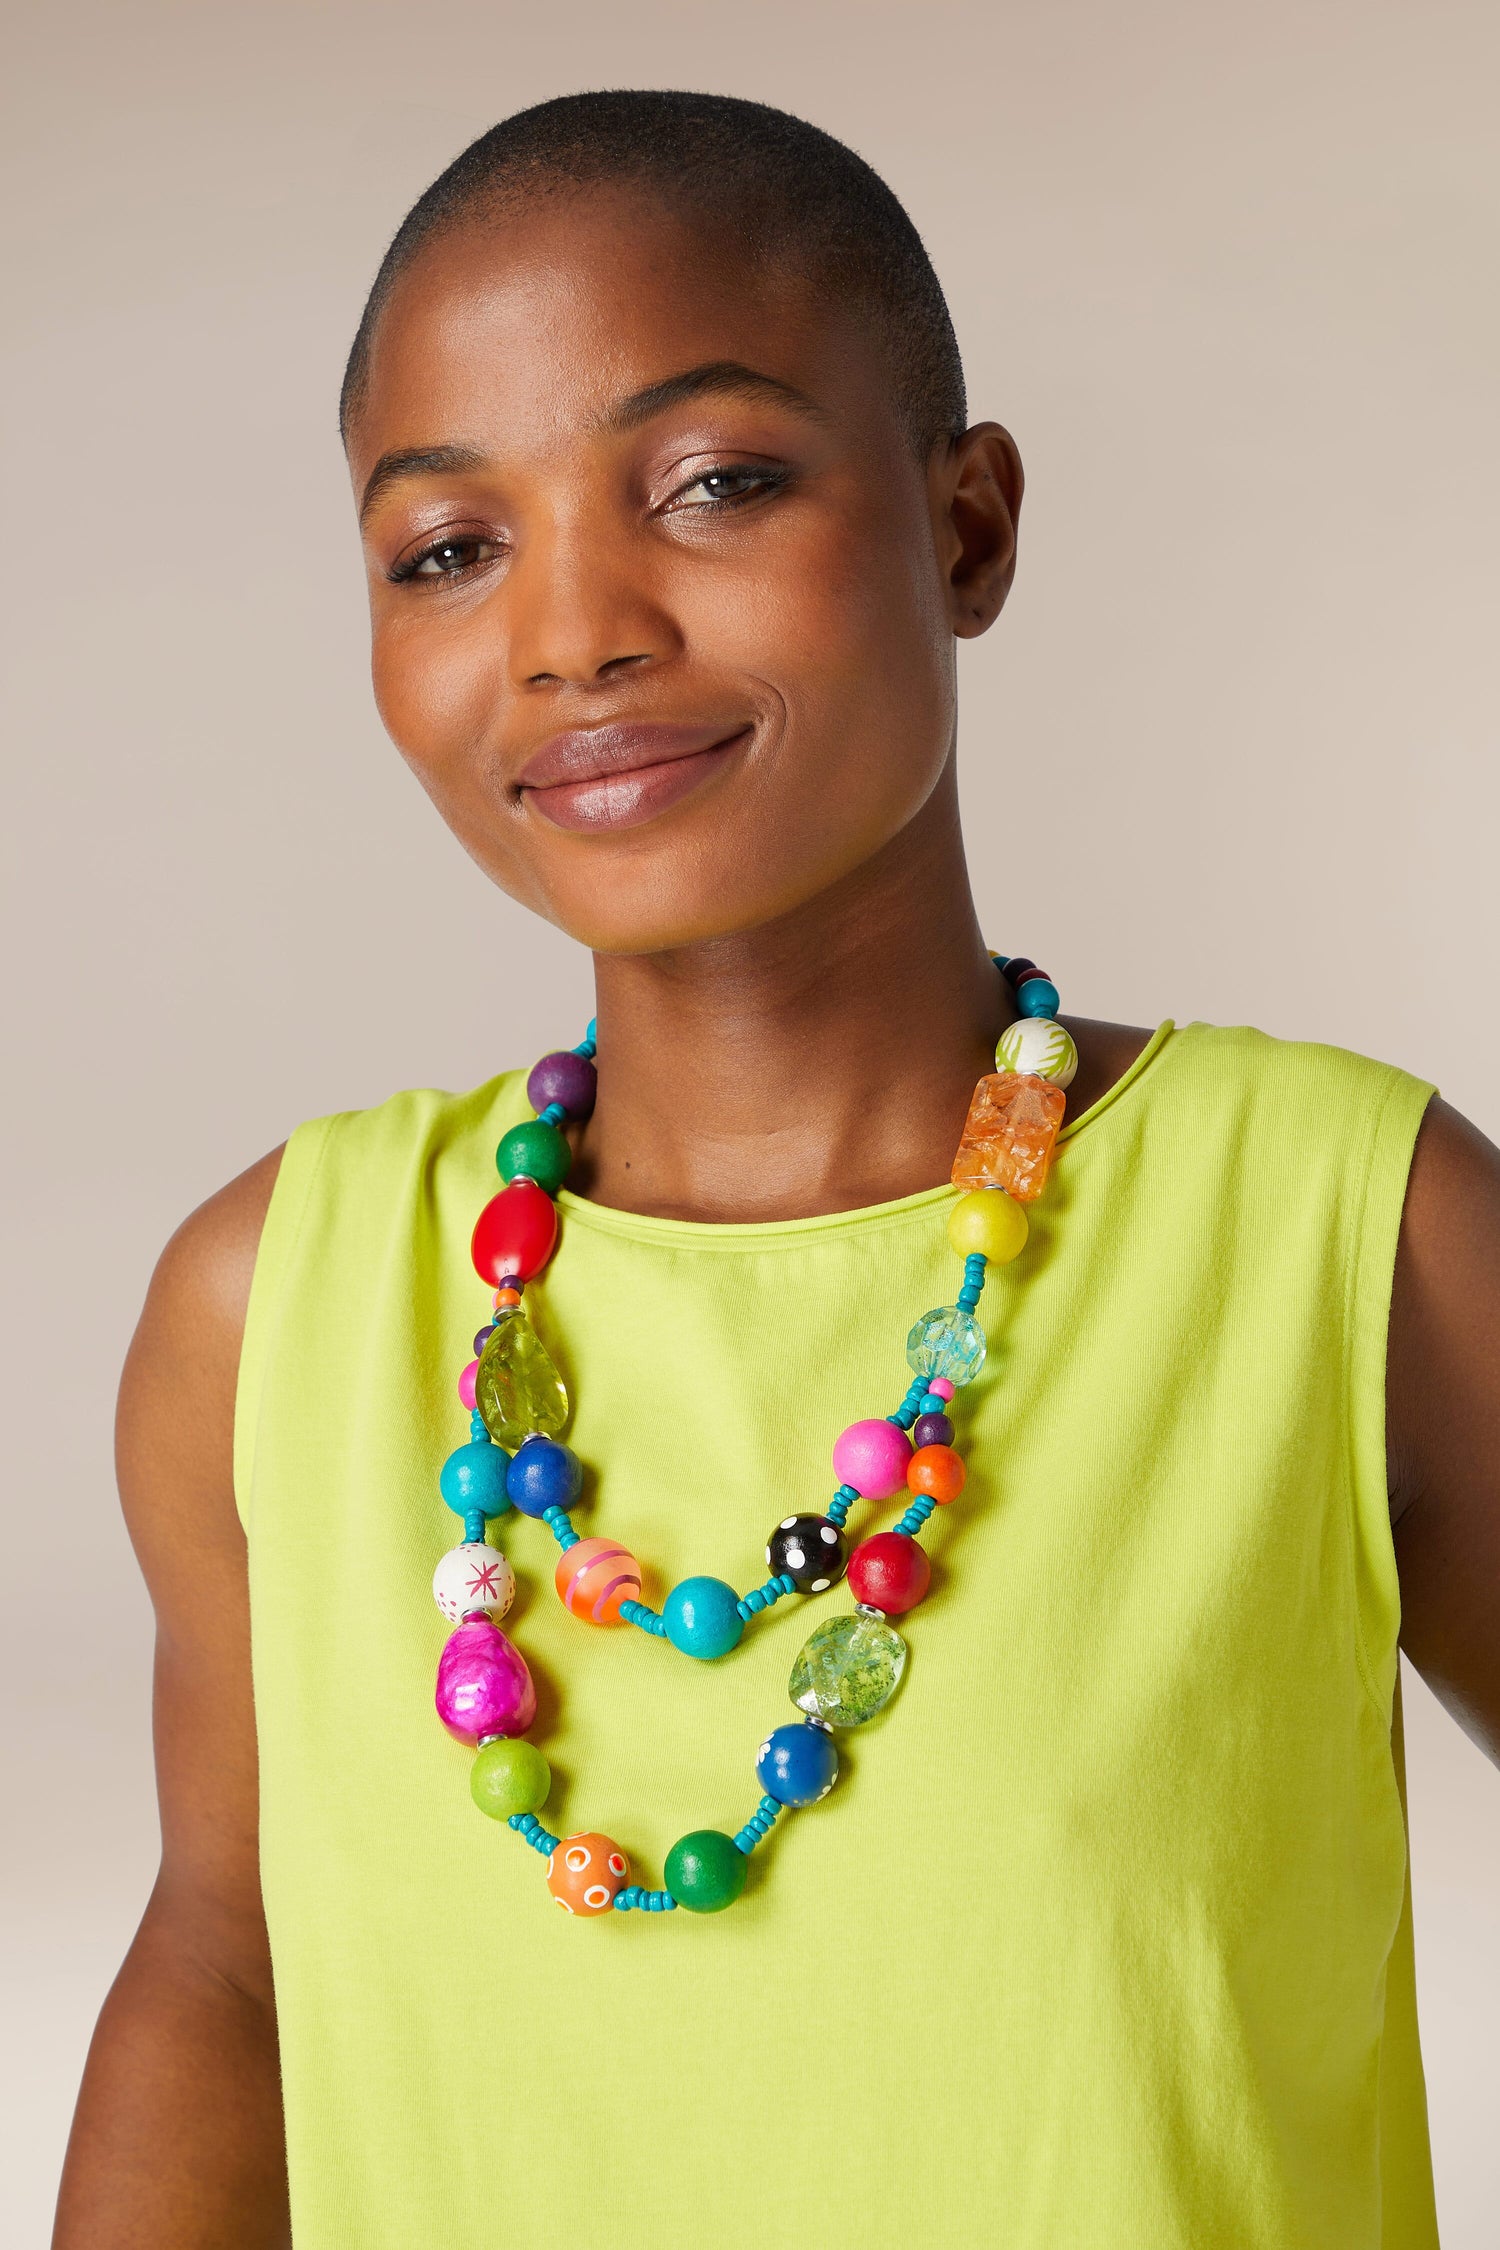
417	461
715	378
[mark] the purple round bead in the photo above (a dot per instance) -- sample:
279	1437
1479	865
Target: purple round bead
483	1684
932	1429
482	1338
565	1078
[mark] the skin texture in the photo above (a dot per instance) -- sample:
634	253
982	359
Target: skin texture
794	997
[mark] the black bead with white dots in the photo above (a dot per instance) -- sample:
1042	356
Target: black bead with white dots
810	1550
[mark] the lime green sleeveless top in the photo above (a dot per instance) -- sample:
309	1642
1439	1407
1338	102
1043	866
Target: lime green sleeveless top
1103	1939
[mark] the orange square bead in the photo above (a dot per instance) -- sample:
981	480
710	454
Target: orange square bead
1009	1135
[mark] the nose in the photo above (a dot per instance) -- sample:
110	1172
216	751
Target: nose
581	610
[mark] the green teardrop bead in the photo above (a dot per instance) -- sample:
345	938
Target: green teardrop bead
517	1388
848	1670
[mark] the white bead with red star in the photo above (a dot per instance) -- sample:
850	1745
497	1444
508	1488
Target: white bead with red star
474	1576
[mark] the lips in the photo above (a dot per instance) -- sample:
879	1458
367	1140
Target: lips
618	776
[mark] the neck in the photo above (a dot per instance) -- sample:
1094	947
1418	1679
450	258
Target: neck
820	1063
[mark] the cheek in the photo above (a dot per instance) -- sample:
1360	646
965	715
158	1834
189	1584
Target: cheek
437	681
845	622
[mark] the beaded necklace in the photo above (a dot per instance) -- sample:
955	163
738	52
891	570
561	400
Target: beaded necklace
850	1666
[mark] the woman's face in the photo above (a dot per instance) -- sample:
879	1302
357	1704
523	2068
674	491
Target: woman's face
663	604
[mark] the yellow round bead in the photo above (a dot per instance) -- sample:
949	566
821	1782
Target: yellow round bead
989	1221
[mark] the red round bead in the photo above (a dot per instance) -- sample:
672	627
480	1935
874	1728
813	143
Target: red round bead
515	1234
889	1572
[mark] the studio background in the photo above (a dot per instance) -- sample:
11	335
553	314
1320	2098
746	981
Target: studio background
1229	277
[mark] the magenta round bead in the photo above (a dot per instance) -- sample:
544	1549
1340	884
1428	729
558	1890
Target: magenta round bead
940	1387
466	1385
565	1078
873	1457
483	1686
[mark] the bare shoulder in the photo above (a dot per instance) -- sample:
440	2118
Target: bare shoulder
1105	1052
1443	1370
1443	1419
175	1423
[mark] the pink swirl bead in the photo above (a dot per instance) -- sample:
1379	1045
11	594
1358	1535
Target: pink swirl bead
873	1457
483	1686
466	1385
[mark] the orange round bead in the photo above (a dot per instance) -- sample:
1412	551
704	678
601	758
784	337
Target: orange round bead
938	1471
584	1873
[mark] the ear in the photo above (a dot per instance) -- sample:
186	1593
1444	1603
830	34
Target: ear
976	486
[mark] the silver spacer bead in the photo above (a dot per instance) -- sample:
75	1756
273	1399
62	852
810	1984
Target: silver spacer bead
868	1609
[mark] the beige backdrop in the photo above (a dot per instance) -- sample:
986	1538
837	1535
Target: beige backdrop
1228	272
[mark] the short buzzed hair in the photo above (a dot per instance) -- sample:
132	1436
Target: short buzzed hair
791	193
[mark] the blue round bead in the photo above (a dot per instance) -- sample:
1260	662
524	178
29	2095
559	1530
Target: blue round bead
1039	996
473	1479
702	1617
543	1475
797	1764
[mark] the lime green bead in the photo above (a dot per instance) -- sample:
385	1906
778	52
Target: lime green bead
989	1221
534	1151
509	1776
517	1389
706	1870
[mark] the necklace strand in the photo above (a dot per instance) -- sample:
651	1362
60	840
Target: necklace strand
850	1666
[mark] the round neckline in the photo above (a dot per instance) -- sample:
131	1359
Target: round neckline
741	1234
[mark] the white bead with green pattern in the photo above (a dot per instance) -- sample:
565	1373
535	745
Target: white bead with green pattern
1040	1046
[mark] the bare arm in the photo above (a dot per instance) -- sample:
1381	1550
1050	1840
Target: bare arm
177	2142
1443	1420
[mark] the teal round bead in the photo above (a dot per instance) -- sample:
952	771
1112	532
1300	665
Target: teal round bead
702	1617
534	1151
473	1479
706	1871
1039	997
509	1776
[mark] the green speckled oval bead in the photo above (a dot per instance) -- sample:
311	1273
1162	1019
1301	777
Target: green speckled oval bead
705	1870
848	1670
535	1151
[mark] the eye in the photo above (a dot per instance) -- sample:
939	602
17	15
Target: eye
453	556
722	487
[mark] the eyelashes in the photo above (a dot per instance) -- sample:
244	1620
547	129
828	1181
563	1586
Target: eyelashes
454	556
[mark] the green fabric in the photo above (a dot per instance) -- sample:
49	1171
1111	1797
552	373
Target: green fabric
1102	1940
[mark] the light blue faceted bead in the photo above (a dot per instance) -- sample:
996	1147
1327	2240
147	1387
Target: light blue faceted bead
473	1480
1039	997
946	1342
702	1617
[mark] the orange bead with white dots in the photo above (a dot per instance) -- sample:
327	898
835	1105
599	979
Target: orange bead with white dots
584	1872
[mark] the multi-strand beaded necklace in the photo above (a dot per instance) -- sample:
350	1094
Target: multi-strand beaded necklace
850	1666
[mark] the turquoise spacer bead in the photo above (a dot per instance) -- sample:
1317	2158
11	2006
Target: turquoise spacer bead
702	1617
1039	997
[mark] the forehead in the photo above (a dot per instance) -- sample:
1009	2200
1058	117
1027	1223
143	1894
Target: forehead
529	326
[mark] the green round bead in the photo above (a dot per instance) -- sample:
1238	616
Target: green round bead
509	1776
706	1870
536	1149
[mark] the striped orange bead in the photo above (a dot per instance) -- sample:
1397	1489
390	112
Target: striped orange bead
594	1577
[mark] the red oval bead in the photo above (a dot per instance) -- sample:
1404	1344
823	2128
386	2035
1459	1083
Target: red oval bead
515	1233
890	1572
